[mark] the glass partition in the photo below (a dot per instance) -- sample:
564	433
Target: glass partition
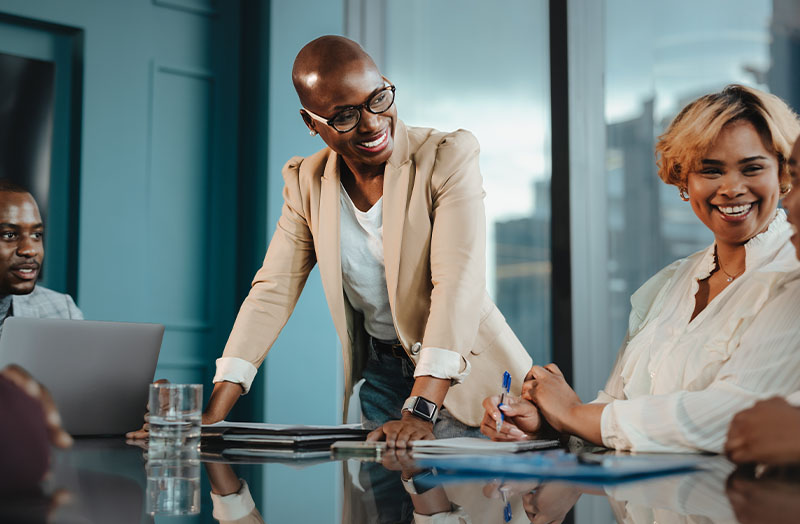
454	69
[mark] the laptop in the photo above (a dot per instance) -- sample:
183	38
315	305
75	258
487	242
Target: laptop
97	372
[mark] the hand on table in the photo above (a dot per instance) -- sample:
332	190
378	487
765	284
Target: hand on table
767	433
549	391
550	503
764	500
18	376
400	433
399	459
521	419
144	431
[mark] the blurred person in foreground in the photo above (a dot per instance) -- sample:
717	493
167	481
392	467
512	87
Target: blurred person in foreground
769	432
29	425
711	333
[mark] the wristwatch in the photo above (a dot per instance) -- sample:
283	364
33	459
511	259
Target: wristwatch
413	486
422	408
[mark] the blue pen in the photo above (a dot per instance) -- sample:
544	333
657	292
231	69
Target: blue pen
506	504
505	391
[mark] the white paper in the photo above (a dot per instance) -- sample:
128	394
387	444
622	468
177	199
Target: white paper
467	445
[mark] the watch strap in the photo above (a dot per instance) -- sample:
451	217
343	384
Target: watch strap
410	485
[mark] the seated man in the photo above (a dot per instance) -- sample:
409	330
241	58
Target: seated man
21	255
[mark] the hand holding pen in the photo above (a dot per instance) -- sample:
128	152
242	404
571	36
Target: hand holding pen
506	390
509	418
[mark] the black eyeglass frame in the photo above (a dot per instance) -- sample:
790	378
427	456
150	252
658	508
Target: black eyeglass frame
358	108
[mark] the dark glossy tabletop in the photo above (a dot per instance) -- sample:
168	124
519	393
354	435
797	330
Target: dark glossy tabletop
109	481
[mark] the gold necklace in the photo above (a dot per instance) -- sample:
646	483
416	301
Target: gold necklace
730	278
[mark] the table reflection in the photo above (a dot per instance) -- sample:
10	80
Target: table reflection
773	497
694	497
173	481
103	480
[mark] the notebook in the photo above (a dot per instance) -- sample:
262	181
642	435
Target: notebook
247	434
476	446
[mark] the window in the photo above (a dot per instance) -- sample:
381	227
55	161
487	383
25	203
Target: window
659	57
454	69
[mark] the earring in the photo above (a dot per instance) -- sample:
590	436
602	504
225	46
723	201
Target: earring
684	194
312	132
785	189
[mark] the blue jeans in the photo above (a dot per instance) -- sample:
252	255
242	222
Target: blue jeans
387	384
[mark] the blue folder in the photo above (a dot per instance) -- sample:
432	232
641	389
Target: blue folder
560	465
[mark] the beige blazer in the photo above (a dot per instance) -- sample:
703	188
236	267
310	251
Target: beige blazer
434	238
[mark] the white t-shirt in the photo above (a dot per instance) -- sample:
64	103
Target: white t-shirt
364	281
363	269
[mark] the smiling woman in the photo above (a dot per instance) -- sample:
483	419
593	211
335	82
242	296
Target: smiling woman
712	332
394	216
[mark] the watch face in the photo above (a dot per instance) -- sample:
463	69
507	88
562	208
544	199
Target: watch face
425	408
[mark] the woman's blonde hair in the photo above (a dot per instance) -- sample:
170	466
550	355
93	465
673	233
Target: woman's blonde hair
680	150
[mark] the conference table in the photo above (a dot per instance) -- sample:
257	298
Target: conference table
109	480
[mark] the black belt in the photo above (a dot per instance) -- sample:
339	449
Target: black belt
388	347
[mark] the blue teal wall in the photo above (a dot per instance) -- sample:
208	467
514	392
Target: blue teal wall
303	370
303	367
157	179
175	211
180	191
167	231
61	47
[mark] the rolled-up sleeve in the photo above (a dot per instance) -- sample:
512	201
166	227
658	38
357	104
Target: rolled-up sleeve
237	507
236	370
442	363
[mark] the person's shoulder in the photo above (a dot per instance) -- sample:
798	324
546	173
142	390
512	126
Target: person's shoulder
315	162
50	303
42	293
650	295
665	274
423	139
306	171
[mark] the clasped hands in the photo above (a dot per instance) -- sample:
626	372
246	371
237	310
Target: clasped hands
547	400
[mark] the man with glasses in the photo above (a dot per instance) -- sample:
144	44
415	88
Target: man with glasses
394	216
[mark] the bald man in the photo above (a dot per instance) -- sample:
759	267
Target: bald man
21	256
394	217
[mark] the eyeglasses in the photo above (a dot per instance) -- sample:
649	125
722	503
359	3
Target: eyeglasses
348	118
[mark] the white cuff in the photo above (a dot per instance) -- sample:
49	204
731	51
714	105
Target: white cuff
236	370
442	363
794	399
610	432
622	427
455	516
234	506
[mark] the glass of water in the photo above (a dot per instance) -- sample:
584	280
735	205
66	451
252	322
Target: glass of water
175	413
173	482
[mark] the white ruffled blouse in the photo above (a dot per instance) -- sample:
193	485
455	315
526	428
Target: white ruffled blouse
677	383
